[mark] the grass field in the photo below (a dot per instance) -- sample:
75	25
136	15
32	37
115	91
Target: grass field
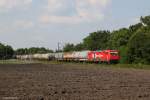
134	66
14	61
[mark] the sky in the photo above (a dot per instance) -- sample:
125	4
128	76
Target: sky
44	23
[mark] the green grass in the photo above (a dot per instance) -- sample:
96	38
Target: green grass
132	66
14	61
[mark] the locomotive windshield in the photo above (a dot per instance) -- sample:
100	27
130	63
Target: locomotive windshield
114	53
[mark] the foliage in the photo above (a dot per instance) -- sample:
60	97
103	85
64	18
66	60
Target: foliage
139	43
96	40
6	51
146	20
119	38
71	47
134	28
68	47
32	50
139	47
79	47
123	54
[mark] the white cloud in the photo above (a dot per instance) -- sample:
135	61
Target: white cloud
57	19
16	25
54	5
9	4
101	3
91	6
67	19
23	24
82	10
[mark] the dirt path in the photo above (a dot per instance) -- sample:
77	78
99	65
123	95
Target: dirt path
62	82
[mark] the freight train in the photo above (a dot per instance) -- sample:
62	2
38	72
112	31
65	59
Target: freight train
107	56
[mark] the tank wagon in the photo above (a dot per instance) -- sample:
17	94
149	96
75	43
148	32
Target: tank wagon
59	56
48	56
79	56
76	56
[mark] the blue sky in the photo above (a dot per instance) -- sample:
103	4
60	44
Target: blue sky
37	23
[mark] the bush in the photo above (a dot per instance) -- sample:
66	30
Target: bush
139	48
123	54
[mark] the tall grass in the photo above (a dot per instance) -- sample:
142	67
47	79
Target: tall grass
14	61
82	64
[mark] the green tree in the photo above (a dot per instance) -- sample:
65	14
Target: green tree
119	38
2	51
146	20
139	47
68	47
32	50
123	54
6	52
9	52
79	47
136	27
96	40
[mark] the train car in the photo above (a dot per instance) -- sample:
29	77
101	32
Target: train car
104	56
59	56
94	56
47	56
51	56
111	56
24	57
76	56
68	56
18	56
83	55
36	56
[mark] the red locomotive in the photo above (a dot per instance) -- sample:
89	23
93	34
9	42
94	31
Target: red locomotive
104	56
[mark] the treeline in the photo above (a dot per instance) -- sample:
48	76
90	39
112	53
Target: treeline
32	50
6	51
133	42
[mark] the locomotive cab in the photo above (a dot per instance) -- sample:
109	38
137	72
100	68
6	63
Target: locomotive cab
114	56
110	56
